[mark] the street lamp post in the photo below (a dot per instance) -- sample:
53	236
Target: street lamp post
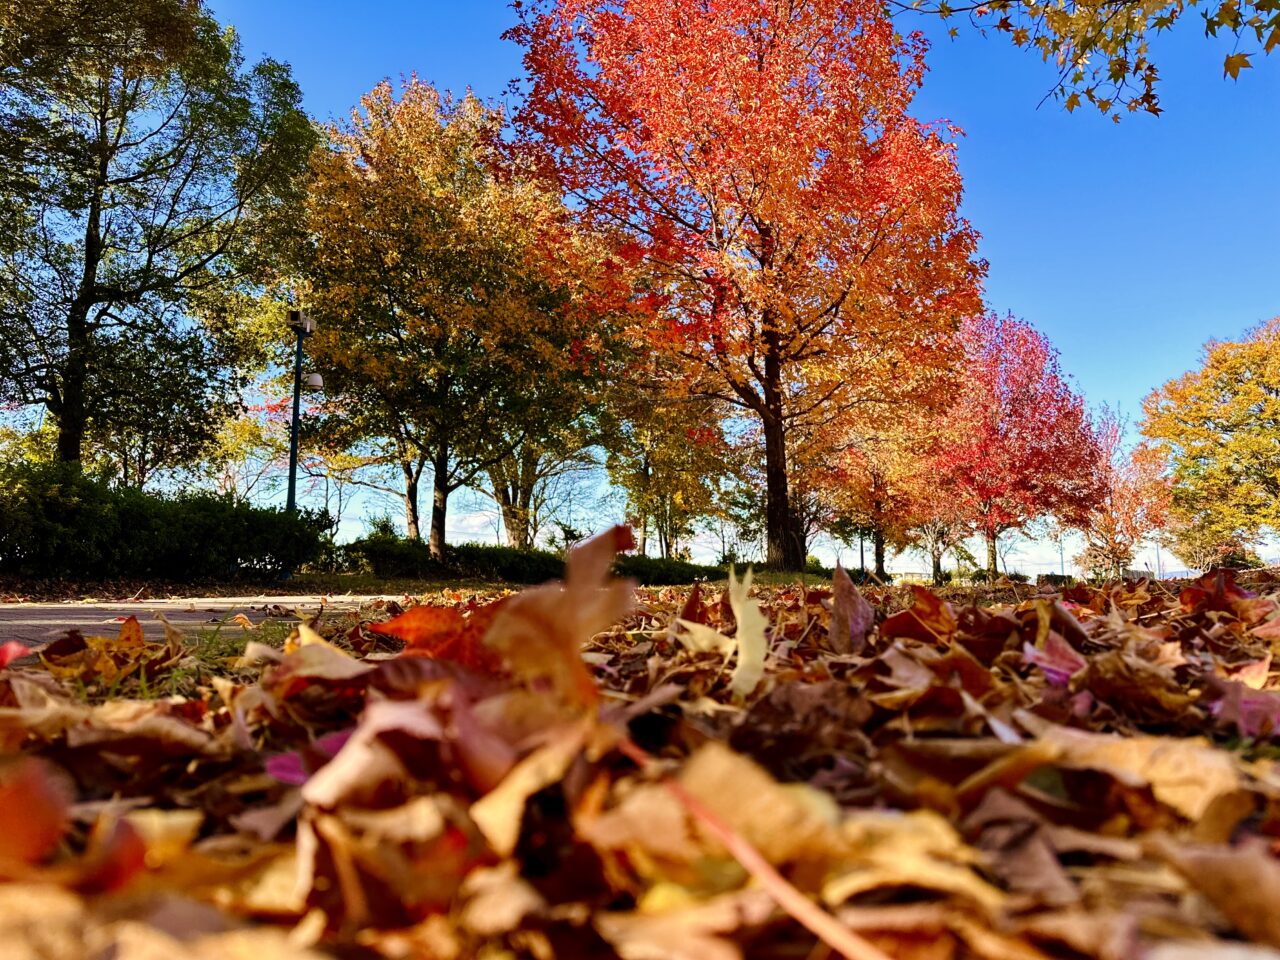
304	326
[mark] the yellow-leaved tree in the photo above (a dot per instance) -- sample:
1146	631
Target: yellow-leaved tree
457	315
1218	429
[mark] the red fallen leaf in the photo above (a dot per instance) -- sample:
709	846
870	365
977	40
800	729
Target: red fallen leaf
33	814
694	611
725	608
984	634
1080	595
421	626
624	538
929	620
1255	713
443	633
1059	660
116	854
296	768
11	651
1216	590
72	642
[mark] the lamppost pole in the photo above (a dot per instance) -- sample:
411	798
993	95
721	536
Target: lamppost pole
304	326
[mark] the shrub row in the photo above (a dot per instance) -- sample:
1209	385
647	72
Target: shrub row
656	572
390	556
57	523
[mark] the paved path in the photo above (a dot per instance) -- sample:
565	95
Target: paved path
37	623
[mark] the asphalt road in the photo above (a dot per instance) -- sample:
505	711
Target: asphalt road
37	623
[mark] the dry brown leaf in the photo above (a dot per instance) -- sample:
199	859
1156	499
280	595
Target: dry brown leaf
1243	882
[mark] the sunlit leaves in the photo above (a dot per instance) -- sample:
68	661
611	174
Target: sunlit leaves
458	306
801	228
1016	444
1234	63
1217	429
1101	50
1131	502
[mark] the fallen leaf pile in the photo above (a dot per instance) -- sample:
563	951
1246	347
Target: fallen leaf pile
581	771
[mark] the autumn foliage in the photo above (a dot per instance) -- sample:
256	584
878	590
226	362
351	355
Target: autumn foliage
1017	444
460	311
1131	503
747	773
1215	431
800	228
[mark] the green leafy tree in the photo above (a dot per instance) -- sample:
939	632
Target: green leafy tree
41	41
145	158
162	400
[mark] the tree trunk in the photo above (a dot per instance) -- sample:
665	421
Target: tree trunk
412	517
72	408
439	503
514	479
935	554
993	561
642	541
502	492
515	524
784	550
785	546
877	540
72	412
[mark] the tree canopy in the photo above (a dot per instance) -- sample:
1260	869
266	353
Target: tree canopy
157	154
1017	443
1218	429
457	315
801	228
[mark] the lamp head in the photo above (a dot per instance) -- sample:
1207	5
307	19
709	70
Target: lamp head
302	322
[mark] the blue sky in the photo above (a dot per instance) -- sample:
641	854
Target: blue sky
1129	244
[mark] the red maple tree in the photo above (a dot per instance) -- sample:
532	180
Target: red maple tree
805	253
1017	443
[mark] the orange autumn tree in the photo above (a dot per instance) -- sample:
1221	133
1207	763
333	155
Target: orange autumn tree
800	229
1132	501
885	484
867	490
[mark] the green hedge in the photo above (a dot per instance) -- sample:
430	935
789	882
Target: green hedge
57	523
656	572
505	563
390	556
